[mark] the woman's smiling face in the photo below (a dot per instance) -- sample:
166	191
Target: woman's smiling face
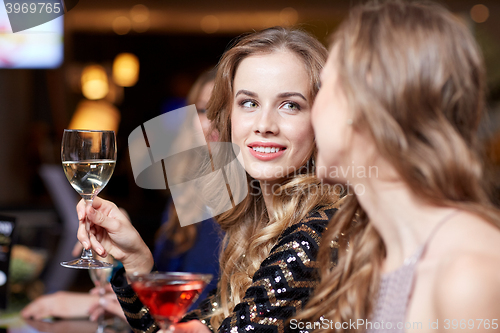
271	114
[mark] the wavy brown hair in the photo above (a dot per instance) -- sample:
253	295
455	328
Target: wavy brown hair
415	81
250	232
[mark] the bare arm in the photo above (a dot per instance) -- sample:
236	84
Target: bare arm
467	296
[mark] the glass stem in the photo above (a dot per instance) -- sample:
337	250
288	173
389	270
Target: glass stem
101	320
166	326
87	254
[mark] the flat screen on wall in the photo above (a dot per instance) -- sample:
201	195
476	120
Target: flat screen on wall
37	47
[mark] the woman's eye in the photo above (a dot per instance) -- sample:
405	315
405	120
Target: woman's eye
249	104
202	111
291	106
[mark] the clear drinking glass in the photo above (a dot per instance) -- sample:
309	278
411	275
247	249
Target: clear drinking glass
100	277
168	295
88	159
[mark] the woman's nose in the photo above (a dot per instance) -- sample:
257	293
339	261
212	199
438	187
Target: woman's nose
266	123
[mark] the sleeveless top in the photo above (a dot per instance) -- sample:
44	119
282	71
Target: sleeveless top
389	313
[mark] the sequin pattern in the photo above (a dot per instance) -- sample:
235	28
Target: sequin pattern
280	287
137	314
284	281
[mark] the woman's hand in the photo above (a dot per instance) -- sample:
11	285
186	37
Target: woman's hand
98	290
61	304
62	326
107	303
193	326
112	233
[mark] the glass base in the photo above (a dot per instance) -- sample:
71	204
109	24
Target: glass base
86	264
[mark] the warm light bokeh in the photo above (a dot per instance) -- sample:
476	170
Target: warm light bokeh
95	115
121	25
94	82
126	69
479	13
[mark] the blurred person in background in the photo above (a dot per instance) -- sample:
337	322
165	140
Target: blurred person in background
195	247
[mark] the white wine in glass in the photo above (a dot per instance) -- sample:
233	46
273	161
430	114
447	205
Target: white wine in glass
88	159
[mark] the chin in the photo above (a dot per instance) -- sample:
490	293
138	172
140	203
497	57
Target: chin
263	176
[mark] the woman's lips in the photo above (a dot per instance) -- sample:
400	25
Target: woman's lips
259	151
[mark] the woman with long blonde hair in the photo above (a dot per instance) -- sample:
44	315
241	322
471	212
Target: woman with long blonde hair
261	102
402	95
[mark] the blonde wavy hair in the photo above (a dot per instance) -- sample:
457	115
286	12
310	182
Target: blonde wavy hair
415	81
250	232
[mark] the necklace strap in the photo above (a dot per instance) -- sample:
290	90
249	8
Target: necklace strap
418	254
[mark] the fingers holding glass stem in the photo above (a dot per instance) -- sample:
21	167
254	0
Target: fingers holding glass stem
87	252
87	234
112	233
87	261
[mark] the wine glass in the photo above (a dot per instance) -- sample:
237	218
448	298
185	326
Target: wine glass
100	277
168	295
88	159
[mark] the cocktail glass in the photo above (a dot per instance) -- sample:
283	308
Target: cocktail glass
168	295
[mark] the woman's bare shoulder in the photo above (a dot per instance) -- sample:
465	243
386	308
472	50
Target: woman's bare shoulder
466	233
468	287
468	274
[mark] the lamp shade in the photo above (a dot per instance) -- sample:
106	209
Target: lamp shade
126	69
95	115
94	82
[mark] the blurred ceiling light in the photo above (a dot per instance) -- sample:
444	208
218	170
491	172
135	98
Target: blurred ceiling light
289	16
125	69
94	82
95	115
141	26
210	24
121	25
479	13
139	13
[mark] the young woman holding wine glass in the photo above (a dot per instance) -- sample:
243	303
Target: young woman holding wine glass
403	90
175	246
262	98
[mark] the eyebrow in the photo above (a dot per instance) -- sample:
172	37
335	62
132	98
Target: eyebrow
282	95
291	94
246	92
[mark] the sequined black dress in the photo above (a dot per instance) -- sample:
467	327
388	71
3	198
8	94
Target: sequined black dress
281	286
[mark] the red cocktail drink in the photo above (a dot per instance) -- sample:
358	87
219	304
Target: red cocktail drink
168	295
